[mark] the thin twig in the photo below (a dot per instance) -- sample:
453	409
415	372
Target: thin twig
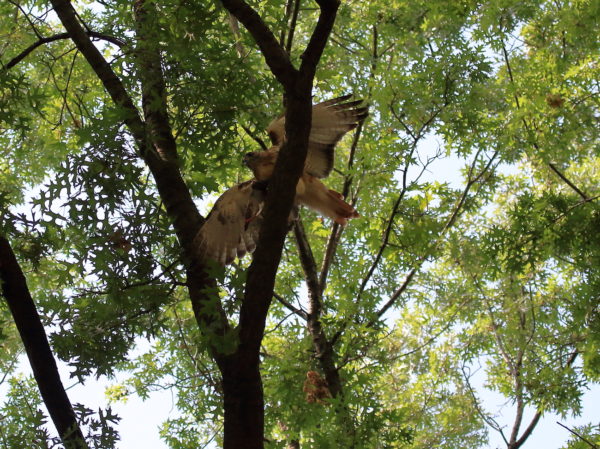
60	36
256	138
568	182
292	27
301	313
487	419
595	446
31	24
449	223
552	166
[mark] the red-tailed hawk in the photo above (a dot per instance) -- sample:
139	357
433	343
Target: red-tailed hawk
330	121
231	229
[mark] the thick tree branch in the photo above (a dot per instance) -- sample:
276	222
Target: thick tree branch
289	166
307	260
171	186
532	424
157	147
261	274
154	99
323	348
318	39
203	290
518	383
280	197
39	353
275	56
241	376
538	414
324	352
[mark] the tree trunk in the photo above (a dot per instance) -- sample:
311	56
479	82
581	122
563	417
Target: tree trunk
33	336
243	404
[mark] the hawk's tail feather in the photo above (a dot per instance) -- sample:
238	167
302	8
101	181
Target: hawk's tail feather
312	193
342	210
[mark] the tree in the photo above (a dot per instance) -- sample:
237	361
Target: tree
117	117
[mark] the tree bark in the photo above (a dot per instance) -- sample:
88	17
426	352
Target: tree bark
33	336
242	385
243	403
323	347
243	394
297	84
157	153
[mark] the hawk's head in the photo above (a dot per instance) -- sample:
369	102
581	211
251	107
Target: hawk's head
251	159
261	163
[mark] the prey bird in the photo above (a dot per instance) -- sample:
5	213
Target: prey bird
231	228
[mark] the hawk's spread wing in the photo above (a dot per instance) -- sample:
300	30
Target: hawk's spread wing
232	226
331	119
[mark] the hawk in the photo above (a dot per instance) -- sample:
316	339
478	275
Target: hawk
231	228
331	119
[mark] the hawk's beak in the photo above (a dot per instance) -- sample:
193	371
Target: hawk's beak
247	158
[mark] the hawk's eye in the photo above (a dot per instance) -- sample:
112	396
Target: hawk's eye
249	154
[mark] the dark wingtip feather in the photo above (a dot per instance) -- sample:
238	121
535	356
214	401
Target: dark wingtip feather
335	100
362	113
342	98
359	113
349	104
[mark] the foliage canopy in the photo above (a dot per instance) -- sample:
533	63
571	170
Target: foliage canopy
476	176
